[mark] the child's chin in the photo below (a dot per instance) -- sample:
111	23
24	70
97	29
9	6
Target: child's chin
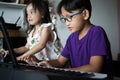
73	31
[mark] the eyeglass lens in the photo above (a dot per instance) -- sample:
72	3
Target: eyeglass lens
69	19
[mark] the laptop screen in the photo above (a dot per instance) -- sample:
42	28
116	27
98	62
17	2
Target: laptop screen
8	42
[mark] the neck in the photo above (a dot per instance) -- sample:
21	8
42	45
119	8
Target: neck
85	30
37	26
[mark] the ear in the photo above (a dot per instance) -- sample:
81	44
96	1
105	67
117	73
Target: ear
86	14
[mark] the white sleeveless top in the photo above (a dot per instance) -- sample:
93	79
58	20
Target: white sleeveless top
52	49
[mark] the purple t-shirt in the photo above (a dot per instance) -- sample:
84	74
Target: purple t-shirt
94	43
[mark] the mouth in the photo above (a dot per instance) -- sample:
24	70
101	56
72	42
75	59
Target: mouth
29	20
70	28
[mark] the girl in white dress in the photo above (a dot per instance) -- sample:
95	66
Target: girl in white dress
42	40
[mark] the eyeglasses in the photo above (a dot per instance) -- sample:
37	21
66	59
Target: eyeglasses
69	19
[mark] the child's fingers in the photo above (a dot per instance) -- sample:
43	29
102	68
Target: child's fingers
43	63
2	51
5	53
19	58
29	61
22	58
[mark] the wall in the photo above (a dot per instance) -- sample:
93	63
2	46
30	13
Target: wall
105	14
61	28
11	13
119	24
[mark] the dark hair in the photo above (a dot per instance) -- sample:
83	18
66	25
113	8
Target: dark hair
43	9
70	5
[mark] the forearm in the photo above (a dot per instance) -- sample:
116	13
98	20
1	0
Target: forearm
60	62
95	65
88	68
55	63
37	48
20	50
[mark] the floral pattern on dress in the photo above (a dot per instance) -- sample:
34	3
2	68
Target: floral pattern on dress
52	49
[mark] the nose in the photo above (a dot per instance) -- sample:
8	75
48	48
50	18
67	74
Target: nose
29	15
67	23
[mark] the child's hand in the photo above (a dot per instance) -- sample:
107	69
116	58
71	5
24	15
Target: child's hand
4	52
23	57
32	60
44	64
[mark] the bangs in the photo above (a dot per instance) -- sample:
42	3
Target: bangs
73	5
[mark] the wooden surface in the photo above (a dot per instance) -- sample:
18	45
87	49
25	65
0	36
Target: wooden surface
13	33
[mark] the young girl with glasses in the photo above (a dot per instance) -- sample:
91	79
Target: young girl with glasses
87	48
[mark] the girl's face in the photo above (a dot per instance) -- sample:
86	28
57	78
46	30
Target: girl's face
33	16
74	21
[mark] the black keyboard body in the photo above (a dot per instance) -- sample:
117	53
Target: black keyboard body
27	72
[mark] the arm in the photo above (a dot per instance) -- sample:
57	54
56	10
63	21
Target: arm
21	50
95	65
38	47
60	62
